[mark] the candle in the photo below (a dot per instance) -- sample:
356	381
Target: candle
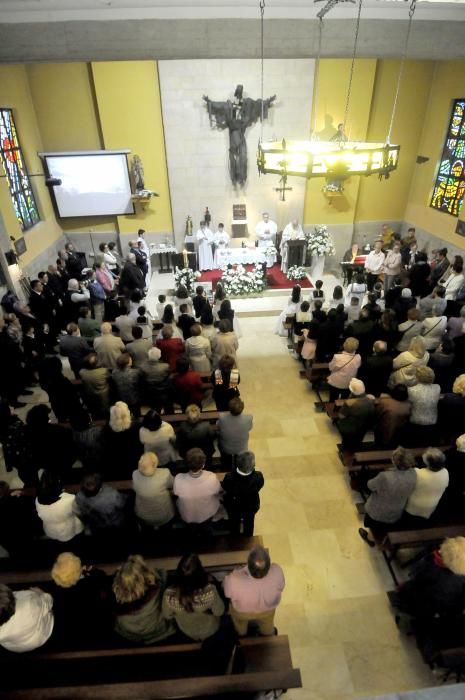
185	258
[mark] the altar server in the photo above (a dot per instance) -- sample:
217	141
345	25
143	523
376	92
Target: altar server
205	239
221	241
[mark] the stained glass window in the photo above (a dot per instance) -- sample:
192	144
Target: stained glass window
12	160
450	183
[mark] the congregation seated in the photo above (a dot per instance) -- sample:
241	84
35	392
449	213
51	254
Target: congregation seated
437	590
126	382
154	505
198	491
255	593
95	386
171	348
224	343
376	369
198	350
392	416
233	432
431	482
193	600
56	509
434	327
82	603
26	618
423	397
156	435
138	591
225	380
356	416
139	347
101	508
187	384
389	493
343	367
241	494
409	329
195	433
405	364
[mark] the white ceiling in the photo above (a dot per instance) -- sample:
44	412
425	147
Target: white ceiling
19	11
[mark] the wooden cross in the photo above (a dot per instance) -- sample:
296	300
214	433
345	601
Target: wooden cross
282	189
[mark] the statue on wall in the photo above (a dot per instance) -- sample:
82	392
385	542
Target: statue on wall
237	115
137	172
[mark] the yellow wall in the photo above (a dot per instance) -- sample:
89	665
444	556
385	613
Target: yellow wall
448	83
329	102
67	117
129	106
387	199
15	93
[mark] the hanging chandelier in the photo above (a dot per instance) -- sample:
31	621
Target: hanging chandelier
338	159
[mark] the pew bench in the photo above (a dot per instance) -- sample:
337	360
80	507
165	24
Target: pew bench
147	673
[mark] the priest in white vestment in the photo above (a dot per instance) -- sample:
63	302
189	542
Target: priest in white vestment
221	241
265	231
292	232
205	239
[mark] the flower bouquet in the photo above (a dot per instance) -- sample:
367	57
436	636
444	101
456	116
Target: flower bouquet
186	277
296	272
319	242
237	281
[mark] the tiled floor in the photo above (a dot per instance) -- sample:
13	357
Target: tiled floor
334	607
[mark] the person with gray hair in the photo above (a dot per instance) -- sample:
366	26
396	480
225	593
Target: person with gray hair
242	500
26	618
108	347
434	327
255	592
376	369
432	481
156	384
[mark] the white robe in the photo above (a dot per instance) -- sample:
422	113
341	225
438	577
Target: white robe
266	232
221	240
205	239
289	234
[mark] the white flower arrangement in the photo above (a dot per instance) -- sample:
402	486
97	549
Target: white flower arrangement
271	250
237	281
296	272
320	243
186	277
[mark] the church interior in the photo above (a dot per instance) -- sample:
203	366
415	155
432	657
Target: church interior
140	79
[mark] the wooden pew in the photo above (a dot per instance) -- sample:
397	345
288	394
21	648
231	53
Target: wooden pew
378	460
146	673
225	554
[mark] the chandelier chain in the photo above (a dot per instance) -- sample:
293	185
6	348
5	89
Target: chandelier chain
411	12
317	73
349	89
262	49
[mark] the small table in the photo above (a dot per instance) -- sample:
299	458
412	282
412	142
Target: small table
161	251
241	256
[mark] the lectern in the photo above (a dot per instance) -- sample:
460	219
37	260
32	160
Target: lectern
296	253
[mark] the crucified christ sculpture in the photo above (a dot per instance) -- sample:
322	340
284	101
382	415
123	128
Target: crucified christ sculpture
237	115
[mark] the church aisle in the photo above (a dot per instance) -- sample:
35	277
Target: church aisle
334	608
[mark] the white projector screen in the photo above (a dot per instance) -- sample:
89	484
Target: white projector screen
92	184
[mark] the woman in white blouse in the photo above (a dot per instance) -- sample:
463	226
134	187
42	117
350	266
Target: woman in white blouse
430	485
55	509
109	259
158	436
455	280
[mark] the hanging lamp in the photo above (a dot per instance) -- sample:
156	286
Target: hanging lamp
335	160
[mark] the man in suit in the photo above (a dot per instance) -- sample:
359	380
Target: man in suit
241	498
132	276
74	264
43	310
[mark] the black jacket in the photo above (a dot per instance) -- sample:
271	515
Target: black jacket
242	491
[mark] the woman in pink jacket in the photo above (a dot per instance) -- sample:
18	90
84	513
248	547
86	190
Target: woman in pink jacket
343	367
104	277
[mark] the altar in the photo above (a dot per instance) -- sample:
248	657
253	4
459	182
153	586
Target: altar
242	256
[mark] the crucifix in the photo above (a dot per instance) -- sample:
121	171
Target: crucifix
282	189
236	116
